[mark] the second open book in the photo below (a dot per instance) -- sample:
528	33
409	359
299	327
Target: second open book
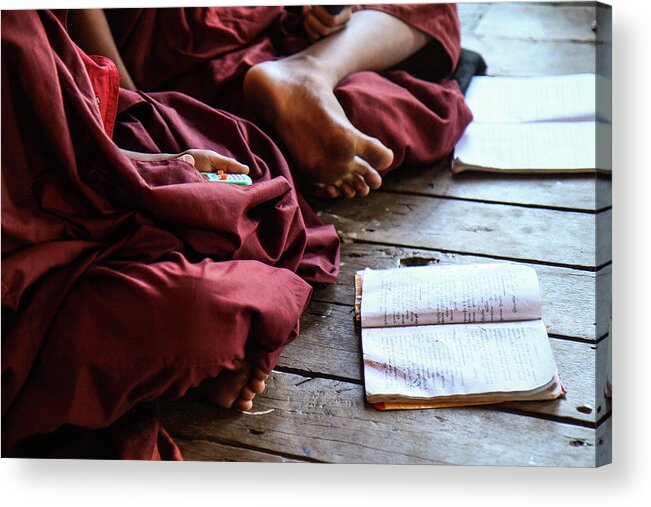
547	124
438	336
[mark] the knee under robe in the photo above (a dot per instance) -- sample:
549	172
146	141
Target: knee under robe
127	282
414	109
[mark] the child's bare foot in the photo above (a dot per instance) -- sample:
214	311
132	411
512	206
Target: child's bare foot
233	388
295	96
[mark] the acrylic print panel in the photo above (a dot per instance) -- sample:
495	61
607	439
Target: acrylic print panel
182	234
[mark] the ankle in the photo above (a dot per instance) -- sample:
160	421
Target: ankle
314	70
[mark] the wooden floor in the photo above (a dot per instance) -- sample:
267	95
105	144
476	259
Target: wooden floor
314	408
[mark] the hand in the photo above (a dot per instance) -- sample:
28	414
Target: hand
320	23
204	160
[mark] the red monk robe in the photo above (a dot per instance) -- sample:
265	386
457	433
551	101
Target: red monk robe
415	110
127	282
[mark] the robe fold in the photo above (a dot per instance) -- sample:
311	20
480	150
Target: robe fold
127	282
415	109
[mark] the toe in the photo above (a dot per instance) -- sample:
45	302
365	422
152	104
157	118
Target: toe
323	191
245	405
347	189
332	191
246	394
360	186
257	386
367	172
375	153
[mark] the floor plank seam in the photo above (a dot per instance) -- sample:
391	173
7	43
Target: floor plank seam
601	338
576	339
577	267
503	203
338	303
548	417
239	445
516	39
605	418
309	374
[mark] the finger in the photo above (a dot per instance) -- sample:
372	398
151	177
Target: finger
187	158
312	23
311	33
321	29
229	165
368	173
211	161
344	16
328	19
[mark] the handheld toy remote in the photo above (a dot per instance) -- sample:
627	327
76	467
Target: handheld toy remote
222	177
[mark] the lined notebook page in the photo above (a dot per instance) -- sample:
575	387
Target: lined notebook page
527	99
531	147
450	294
428	361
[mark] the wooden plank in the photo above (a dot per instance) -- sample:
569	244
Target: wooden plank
604	192
604	40
604	300
327	421
570	297
496	230
204	450
329	345
605	443
575	192
538	22
506	57
604	234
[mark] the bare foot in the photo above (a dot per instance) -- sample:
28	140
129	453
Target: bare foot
233	388
295	96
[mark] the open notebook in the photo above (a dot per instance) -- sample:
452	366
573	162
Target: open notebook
439	336
537	124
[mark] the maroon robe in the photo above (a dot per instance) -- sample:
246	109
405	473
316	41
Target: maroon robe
127	282
414	109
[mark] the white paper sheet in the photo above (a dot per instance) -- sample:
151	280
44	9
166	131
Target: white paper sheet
528	99
450	294
535	147
447	360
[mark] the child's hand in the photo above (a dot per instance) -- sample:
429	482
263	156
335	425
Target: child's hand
204	160
320	23
211	161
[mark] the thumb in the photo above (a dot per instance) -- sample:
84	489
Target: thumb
187	158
